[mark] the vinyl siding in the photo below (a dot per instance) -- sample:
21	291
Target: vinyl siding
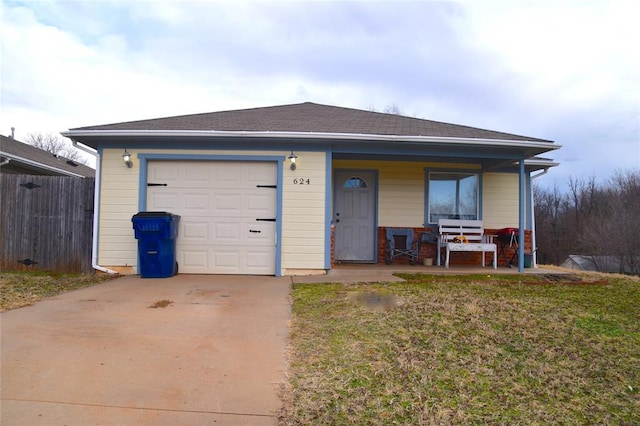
401	188
303	207
118	203
303	213
500	200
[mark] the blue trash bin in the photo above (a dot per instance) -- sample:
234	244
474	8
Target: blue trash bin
156	233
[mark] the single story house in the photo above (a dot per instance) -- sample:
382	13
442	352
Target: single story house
20	158
296	189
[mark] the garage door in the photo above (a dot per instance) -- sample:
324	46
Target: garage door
228	211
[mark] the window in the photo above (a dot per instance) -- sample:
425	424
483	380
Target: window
355	182
452	195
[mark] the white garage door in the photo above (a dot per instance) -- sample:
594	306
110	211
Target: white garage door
227	210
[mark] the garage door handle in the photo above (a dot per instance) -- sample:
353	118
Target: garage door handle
254	231
156	184
266	220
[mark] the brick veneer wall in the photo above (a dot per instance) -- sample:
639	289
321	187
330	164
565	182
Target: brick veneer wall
457	258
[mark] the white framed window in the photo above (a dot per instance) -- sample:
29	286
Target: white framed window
452	195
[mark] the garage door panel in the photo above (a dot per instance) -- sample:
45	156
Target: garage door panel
226	233
219	203
193	230
261	232
196	202
260	204
226	259
198	175
163	175
260	176
165	201
230	177
193	259
227	203
257	259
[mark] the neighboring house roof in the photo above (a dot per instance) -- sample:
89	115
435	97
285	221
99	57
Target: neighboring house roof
595	263
309	117
20	158
345	132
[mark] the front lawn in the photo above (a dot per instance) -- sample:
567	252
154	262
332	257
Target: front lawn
466	350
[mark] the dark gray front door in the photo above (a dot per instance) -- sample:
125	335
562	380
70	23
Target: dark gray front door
355	215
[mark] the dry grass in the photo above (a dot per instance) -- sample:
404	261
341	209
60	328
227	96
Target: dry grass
467	350
19	289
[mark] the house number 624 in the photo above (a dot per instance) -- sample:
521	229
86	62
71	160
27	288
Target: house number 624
301	181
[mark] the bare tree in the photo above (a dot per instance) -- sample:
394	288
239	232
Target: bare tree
388	109
55	145
393	109
600	221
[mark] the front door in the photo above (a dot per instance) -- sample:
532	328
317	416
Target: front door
355	216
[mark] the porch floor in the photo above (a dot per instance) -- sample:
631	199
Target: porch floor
346	273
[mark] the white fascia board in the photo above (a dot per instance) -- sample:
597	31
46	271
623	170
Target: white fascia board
540	162
311	135
18	159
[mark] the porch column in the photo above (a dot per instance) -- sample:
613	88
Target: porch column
521	219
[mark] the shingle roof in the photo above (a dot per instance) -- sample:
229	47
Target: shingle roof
13	149
312	117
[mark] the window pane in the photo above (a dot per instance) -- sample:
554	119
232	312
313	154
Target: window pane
453	196
355	182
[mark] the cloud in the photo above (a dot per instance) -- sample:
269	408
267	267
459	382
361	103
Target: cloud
565	71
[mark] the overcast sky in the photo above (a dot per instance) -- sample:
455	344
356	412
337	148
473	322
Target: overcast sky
563	70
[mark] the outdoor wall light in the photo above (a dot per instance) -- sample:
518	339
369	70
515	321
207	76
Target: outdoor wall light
292	157
126	157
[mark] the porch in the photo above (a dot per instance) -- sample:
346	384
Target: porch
346	273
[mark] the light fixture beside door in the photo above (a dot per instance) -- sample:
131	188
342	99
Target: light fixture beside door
292	158
126	157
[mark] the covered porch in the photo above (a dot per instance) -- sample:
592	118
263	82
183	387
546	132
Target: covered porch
385	273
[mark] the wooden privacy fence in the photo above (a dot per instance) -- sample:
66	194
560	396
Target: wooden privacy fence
46	223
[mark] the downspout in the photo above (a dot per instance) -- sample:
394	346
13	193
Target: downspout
96	210
534	247
5	161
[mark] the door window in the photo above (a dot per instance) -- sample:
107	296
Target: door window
355	182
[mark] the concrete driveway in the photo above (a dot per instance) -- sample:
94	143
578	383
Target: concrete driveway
102	356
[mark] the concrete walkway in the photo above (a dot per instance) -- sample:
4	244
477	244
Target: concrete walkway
102	356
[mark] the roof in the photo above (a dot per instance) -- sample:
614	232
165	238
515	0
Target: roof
27	159
310	117
345	132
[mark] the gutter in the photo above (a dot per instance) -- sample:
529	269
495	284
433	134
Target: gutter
309	135
96	210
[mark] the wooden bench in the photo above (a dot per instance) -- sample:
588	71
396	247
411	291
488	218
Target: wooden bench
451	231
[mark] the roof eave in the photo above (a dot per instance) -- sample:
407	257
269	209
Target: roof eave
79	134
41	166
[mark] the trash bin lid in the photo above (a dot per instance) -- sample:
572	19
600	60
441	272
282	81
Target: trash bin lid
153	214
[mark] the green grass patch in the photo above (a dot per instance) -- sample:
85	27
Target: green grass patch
467	350
19	289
